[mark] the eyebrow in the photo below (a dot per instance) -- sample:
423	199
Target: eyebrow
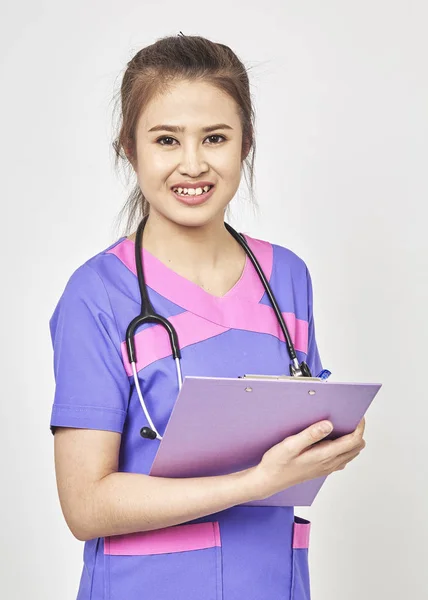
177	129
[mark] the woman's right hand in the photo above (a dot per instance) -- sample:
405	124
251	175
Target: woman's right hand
296	459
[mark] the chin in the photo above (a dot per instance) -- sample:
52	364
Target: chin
198	216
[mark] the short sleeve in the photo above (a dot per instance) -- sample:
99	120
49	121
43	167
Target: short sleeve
313	358
91	385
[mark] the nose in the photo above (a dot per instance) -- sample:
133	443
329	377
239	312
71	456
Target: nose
192	160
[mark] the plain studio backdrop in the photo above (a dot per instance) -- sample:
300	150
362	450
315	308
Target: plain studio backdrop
341	97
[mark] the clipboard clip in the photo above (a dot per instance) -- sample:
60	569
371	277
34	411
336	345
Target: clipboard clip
322	376
280	377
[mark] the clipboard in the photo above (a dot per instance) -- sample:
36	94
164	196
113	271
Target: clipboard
221	425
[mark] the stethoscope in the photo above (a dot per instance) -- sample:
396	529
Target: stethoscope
148	315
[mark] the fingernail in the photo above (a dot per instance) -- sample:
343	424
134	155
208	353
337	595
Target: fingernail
326	427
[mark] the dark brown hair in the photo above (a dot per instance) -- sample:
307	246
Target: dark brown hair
151	71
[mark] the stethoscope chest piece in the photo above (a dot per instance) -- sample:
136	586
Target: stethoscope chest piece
148	433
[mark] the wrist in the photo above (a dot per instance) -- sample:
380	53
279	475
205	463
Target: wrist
249	484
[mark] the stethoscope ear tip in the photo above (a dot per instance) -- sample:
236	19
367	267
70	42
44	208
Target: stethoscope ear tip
148	433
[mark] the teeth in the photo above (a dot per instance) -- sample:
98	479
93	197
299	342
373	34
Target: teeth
192	191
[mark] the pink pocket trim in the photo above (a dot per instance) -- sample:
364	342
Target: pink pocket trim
301	531
180	538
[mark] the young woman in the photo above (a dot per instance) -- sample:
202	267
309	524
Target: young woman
187	130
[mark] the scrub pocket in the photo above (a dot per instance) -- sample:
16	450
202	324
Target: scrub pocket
300	583
183	562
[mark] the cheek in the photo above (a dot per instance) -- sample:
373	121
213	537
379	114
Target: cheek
153	168
232	172
228	165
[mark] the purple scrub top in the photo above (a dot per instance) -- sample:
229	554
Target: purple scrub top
244	552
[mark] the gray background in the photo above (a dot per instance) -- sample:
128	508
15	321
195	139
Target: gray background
341	100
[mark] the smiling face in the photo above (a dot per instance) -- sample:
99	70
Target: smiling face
168	158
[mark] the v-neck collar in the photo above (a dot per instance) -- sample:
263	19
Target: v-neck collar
151	262
189	295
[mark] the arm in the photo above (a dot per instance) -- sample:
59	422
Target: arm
98	501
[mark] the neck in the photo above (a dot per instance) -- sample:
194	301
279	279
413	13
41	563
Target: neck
196	248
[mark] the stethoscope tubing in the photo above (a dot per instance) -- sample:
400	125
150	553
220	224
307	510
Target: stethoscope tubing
148	315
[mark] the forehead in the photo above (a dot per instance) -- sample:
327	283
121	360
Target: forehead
191	104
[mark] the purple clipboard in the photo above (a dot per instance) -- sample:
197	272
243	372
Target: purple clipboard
222	425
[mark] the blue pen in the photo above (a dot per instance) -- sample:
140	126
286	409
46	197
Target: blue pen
324	374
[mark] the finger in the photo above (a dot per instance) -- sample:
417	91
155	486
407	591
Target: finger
343	459
341	445
309	436
359	431
357	448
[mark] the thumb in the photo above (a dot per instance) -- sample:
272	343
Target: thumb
309	436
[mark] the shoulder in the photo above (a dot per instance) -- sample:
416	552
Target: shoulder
87	283
288	276
281	257
84	307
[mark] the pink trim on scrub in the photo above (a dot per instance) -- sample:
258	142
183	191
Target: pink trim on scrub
153	344
301	533
180	538
189	295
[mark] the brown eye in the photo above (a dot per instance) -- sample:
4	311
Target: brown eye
216	136
165	138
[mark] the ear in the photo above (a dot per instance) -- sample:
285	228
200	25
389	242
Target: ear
129	155
246	148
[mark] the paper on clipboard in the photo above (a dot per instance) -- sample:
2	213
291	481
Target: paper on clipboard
223	425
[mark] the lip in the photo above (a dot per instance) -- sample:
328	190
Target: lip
194	200
183	184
